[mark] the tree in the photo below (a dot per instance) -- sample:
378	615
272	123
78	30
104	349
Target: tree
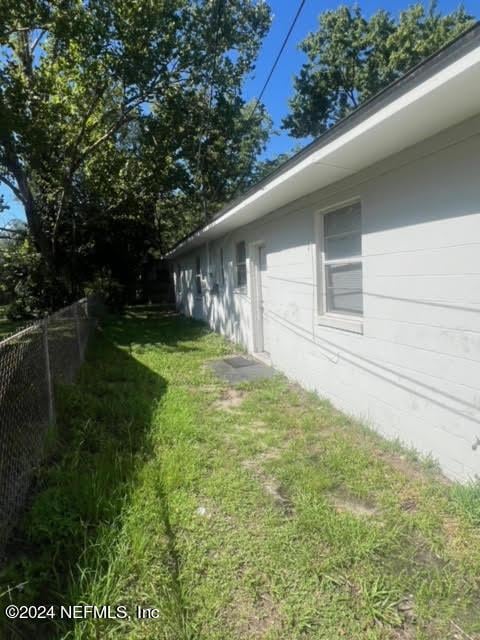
351	58
265	167
25	285
77	78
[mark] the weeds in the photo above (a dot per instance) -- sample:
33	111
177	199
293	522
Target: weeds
159	493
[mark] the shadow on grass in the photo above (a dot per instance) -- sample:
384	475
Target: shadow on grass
83	491
168	330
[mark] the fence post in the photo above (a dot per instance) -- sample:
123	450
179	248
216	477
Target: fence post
48	371
77	330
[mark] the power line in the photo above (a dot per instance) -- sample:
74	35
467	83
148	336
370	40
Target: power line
267	81
277	59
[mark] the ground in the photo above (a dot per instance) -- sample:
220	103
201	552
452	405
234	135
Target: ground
257	512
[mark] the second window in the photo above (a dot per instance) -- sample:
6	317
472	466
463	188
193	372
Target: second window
342	232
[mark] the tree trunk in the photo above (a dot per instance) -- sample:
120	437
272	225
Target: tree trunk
40	239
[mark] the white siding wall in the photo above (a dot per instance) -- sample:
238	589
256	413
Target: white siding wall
415	372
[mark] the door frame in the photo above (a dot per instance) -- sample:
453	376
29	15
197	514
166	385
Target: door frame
257	301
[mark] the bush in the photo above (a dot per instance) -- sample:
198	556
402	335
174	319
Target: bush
109	289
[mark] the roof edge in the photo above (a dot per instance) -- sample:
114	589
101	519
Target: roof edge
448	54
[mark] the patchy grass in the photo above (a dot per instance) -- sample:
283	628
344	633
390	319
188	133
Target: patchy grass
255	513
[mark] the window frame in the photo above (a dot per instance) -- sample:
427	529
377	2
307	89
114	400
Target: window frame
348	322
242	288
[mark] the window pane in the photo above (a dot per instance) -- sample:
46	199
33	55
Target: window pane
197	267
241	275
343	220
344	288
241	252
343	247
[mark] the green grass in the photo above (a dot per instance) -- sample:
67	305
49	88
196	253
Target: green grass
276	518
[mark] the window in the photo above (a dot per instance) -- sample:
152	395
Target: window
222	268
198	276
343	261
241	263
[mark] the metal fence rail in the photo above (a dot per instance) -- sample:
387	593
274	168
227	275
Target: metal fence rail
32	361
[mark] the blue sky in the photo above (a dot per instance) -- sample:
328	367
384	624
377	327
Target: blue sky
280	87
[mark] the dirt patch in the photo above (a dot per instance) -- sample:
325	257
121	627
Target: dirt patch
427	558
409	505
406	608
409	468
254	619
269	484
407	630
344	503
423	556
231	399
405	633
256	426
459	634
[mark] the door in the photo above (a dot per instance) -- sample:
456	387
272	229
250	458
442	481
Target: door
261	332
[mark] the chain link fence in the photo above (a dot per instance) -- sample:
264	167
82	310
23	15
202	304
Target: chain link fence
32	361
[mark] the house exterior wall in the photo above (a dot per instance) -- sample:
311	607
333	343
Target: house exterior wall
414	372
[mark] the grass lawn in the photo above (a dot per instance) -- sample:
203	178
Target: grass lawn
254	513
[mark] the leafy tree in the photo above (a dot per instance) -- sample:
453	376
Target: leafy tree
99	89
25	284
351	58
265	167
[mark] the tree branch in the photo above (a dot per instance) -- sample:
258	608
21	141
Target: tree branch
123	119
44	27
12	187
7	230
38	39
83	127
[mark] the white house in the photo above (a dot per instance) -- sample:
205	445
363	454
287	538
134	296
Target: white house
355	267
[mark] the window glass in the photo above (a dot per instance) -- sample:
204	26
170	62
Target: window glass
343	261
344	288
343	220
341	247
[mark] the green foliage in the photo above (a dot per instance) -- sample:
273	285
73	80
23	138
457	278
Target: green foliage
123	121
264	168
276	517
110	290
351	58
466	498
25	281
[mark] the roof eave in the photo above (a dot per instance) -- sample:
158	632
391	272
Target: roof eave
401	115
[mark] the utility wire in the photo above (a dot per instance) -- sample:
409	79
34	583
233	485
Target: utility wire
267	81
277	59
